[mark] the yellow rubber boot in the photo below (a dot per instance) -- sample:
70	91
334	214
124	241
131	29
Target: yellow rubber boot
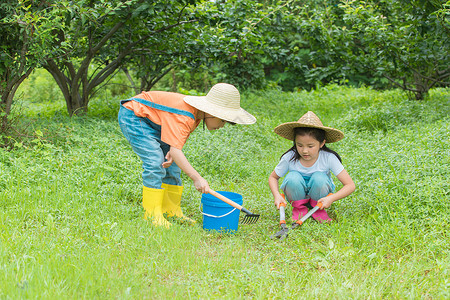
172	202
152	200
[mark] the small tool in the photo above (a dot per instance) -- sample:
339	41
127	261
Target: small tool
283	233
249	218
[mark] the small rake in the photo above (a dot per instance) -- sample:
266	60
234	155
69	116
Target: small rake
249	218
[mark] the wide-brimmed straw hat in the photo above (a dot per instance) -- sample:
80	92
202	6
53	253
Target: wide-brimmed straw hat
224	102
310	120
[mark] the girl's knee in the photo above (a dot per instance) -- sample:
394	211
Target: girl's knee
293	180
293	176
320	185
319	178
294	186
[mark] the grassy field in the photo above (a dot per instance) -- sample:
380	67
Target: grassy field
71	222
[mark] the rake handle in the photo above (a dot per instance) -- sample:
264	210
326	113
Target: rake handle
226	200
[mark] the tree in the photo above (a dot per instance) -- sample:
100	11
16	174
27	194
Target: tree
104	34
25	38
177	47
404	42
222	42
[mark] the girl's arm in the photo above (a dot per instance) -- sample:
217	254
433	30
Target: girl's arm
273	185
178	157
347	189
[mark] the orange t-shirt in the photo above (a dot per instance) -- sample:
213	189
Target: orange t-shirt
175	128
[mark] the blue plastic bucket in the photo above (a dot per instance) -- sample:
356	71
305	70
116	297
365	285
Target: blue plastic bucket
218	215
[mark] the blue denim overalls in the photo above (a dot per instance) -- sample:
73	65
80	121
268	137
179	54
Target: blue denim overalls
145	139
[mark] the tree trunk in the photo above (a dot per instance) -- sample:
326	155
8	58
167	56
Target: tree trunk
174	81
151	78
14	77
131	80
8	96
69	84
422	86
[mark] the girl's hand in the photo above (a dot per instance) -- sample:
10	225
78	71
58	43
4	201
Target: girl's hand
326	202
168	161
347	188
201	185
278	200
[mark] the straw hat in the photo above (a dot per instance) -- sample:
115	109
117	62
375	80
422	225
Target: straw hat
309	119
222	101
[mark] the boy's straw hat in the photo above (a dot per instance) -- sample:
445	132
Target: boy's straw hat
309	119
224	102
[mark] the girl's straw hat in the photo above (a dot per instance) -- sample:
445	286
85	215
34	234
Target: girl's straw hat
309	119
224	102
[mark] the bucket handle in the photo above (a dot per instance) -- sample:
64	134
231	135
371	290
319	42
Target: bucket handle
212	216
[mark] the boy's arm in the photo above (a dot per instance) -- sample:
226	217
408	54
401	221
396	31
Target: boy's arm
178	157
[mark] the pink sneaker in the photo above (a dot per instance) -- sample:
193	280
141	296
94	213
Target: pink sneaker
298	209
320	216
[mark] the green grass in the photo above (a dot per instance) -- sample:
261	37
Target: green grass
71	222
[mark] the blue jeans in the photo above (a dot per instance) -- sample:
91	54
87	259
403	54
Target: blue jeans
144	137
296	187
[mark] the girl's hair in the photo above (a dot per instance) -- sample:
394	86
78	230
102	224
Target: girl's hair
317	134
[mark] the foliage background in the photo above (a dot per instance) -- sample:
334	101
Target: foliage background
292	45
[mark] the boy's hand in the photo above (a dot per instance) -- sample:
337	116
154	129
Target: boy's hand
168	161
201	185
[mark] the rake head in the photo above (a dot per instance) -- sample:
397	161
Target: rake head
249	218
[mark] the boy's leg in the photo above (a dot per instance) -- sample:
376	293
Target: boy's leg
172	202
173	188
173	172
144	138
152	200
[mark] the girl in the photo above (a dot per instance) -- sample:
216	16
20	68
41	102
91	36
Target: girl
307	165
157	125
